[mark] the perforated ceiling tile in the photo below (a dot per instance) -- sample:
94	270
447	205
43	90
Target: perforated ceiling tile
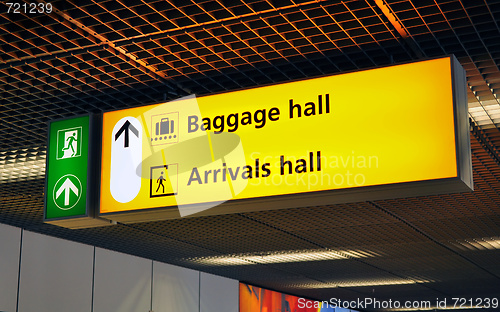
22	165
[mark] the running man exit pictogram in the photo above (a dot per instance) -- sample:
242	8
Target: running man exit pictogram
69	143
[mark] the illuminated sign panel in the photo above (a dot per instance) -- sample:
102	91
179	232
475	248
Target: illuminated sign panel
70	174
382	133
67	168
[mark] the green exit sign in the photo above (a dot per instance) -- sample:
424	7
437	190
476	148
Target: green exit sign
71	179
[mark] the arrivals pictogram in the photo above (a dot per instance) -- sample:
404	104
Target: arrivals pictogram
163	180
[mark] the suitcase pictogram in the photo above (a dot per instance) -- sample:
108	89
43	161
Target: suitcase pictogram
165	126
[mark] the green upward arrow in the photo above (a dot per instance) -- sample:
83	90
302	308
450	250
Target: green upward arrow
66	187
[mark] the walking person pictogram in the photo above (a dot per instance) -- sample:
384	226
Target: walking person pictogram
160	183
163	180
70	140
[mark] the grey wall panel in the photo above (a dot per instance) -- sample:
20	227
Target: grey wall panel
175	289
56	275
10	243
218	294
122	282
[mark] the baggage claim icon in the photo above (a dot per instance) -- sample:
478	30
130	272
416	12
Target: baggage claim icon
165	128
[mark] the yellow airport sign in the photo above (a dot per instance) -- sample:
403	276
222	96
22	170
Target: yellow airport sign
388	132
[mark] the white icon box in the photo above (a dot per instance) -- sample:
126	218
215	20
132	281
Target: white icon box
69	143
165	128
163	180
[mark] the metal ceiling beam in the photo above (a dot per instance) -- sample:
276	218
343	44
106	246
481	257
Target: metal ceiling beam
386	10
143	66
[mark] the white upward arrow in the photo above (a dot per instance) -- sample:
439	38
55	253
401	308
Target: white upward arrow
66	187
